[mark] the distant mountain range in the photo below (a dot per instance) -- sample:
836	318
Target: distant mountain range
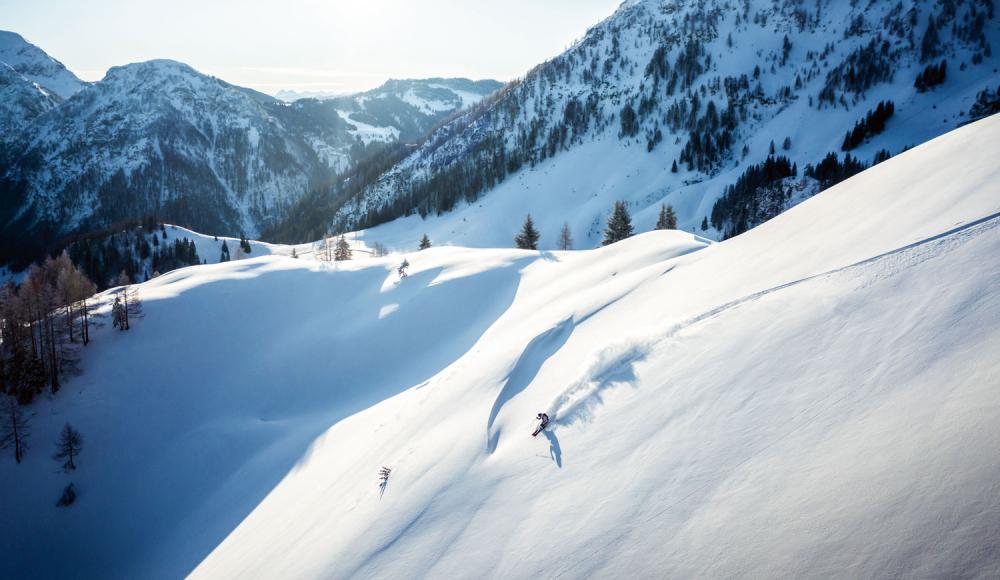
290	96
730	111
161	138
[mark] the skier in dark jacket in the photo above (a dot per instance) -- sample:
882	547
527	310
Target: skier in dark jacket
543	419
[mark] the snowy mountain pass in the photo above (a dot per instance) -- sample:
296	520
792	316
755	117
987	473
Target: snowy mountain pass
814	398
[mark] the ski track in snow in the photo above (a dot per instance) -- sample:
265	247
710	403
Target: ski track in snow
615	365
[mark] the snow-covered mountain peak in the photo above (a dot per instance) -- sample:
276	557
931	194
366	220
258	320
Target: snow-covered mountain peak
155	68
34	64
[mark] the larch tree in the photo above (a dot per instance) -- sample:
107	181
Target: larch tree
15	429
565	237
70	445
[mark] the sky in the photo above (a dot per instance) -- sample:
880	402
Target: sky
307	45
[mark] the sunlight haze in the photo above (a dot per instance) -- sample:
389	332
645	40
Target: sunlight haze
308	45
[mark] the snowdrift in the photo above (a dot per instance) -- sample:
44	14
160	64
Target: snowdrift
818	397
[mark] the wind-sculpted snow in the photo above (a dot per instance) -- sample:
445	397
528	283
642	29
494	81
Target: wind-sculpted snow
815	398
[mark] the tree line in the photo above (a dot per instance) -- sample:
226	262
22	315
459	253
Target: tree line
619	227
872	124
43	322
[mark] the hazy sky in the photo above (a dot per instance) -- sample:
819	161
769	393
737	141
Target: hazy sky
336	45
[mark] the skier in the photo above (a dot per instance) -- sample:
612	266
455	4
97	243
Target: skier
543	419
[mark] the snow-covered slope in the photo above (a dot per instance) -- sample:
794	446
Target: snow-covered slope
709	85
815	398
38	67
21	101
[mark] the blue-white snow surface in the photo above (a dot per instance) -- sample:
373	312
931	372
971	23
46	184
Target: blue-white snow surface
819	397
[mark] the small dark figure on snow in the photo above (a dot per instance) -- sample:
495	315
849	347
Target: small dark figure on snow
543	422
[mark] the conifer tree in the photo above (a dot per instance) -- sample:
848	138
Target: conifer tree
619	225
528	238
565	237
224	257
667	219
342	251
425	243
245	244
68	447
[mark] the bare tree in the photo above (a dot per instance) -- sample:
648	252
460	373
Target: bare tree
15	429
565	237
323	249
121	301
70	445
133	303
127	305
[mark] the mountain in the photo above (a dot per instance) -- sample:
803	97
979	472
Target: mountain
161	138
38	67
31	83
815	396
290	96
398	111
156	138
674	101
413	106
22	101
